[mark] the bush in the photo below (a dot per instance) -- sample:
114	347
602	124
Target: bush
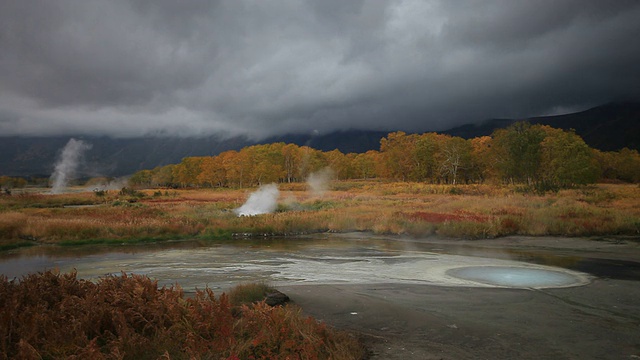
249	293
125	191
54	316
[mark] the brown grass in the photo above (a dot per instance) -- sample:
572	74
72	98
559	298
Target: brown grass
58	316
473	211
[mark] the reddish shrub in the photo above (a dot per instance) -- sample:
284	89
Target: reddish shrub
52	315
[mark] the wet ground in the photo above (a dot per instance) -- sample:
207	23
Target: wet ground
510	298
599	320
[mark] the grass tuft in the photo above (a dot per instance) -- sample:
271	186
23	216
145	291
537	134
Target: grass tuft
249	293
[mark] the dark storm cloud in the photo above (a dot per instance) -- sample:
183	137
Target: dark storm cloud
128	68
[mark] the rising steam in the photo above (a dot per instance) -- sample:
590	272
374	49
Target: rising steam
319	181
262	201
67	164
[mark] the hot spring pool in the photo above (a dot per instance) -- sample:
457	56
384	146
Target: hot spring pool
518	277
319	259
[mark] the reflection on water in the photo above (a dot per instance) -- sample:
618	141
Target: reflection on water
318	259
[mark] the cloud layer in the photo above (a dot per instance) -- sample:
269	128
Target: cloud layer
130	68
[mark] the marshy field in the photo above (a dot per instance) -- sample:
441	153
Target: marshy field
414	209
379	265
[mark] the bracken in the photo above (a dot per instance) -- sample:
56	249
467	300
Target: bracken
58	316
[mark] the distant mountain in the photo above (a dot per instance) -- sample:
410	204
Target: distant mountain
349	141
608	127
36	156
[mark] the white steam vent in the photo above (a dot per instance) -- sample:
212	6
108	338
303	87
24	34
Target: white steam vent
262	201
67	164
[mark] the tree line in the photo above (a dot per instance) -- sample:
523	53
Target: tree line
535	155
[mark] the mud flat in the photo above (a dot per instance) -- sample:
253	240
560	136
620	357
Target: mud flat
596	320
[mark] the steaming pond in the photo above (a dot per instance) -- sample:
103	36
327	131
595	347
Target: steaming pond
319	259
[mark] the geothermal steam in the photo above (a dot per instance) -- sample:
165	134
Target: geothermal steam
67	164
262	201
265	199
319	181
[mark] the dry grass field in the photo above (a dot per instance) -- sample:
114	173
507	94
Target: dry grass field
416	209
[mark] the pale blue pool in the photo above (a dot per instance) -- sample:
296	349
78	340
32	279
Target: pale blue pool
512	276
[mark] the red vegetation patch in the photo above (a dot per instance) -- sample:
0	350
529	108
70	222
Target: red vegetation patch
58	316
179	200
509	226
460	215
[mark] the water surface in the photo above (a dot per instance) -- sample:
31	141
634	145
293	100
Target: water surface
318	259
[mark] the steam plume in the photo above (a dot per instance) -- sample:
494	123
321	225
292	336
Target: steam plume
262	201
319	181
67	164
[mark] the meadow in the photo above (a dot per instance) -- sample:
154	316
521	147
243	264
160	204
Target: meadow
401	208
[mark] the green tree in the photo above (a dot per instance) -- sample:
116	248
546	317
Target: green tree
517	151
425	157
566	159
623	165
141	178
163	176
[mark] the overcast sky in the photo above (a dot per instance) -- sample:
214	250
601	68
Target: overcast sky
129	68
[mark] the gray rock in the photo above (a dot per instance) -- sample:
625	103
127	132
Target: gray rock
276	298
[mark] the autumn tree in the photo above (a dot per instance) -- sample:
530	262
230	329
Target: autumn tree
311	161
234	164
364	165
291	161
8	182
521	153
267	163
627	165
141	178
163	176
186	173
566	160
397	152
421	154
517	150
481	164
339	163
622	165
212	172
252	164
455	158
